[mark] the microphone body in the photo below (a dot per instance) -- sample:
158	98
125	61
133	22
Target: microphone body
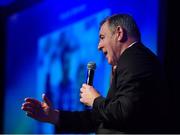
91	66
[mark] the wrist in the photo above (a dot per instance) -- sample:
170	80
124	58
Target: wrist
55	117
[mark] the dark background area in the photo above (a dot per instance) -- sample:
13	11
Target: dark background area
2	54
168	52
171	61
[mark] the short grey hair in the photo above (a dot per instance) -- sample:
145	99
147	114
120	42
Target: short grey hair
126	21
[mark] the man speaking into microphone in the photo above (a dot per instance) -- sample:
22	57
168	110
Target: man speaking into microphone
136	100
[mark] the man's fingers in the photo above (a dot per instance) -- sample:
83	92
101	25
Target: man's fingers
81	94
28	109
81	100
32	100
84	85
29	104
82	90
46	100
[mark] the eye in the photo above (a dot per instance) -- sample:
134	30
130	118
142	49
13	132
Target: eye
101	37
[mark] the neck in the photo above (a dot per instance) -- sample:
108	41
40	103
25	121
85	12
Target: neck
123	46
128	44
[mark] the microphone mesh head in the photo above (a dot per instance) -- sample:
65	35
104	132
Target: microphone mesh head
91	65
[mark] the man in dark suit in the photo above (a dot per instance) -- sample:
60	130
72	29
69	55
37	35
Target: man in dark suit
136	101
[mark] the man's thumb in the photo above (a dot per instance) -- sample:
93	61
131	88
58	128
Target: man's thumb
46	100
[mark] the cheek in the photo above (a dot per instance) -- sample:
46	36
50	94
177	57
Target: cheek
109	48
107	45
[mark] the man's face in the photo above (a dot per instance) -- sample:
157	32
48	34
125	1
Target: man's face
108	44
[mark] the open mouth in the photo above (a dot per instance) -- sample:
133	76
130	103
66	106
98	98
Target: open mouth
105	53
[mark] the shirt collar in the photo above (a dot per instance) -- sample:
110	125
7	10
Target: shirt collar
132	44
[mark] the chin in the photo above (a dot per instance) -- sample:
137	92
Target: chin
109	61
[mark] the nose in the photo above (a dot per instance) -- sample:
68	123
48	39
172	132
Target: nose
100	46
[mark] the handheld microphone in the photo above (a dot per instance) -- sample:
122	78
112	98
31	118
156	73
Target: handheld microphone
91	66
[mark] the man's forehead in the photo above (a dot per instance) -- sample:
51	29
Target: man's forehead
103	27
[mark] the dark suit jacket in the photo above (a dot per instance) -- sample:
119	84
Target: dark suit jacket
136	101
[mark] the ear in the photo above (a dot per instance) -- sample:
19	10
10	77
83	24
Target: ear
119	33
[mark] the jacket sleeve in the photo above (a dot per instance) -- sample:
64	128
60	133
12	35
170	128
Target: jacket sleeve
121	106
